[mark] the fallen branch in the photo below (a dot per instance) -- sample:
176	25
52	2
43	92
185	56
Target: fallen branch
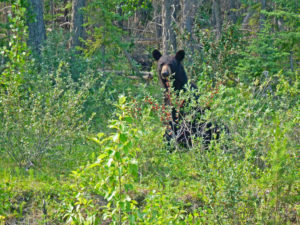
143	74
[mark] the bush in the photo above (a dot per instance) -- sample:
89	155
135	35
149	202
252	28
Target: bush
43	115
55	50
249	176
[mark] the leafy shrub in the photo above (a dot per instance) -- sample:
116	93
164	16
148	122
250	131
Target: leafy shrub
4	200
251	85
42	107
14	55
249	176
55	50
216	59
116	169
42	115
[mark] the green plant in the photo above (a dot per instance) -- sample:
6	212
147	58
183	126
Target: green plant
55	50
5	196
107	45
217	58
159	209
278	180
15	55
116	167
40	110
42	115
120	167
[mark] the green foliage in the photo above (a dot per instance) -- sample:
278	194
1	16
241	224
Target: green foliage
39	111
278	178
15	54
107	44
266	55
55	50
116	167
126	175
243	55
252	180
156	206
44	114
54	10
4	200
273	47
217	58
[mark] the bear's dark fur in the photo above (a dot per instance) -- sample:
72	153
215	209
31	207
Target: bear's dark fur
171	72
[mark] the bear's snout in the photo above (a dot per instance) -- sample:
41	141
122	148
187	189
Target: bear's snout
165	74
165	71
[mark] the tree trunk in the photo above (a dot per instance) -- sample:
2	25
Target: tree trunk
157	20
36	26
216	17
187	20
232	13
77	28
189	8
168	35
247	18
262	16
52	13
66	15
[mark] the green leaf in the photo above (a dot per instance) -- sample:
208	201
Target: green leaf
95	140
116	138
128	119
128	187
123	137
118	156
122	99
100	135
111	196
133	168
110	161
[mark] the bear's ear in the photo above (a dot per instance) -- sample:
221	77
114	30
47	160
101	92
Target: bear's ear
156	54
180	55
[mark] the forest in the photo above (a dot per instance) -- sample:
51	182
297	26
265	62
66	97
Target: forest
149	112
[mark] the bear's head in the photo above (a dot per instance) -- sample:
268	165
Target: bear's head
170	69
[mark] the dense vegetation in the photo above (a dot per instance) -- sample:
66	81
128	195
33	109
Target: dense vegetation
81	127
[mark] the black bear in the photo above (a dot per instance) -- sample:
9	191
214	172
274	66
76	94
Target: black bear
172	74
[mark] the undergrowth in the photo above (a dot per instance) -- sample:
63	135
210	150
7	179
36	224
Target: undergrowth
122	171
249	176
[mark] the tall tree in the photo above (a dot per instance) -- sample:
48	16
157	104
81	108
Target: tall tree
4	31
157	19
77	20
233	4
168	35
188	13
262	16
66	23
36	26
187	20
216	16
